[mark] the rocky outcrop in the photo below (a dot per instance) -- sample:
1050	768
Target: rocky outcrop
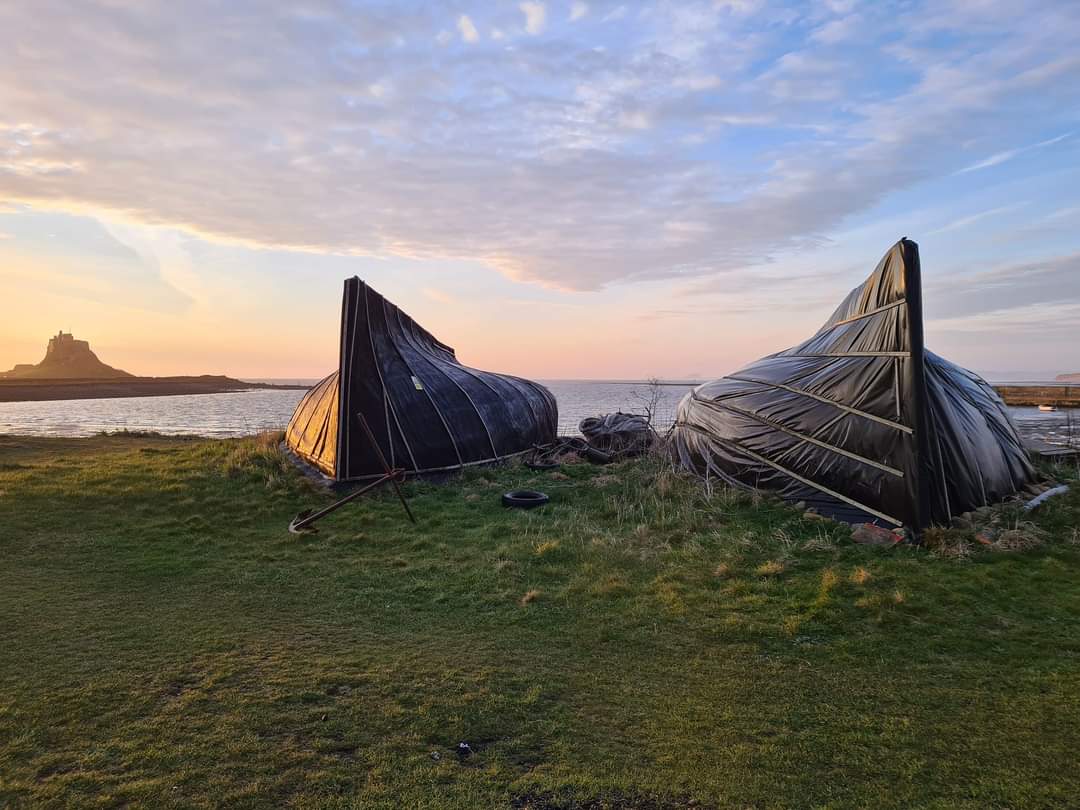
66	359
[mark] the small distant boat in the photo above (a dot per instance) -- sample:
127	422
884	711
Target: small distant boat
1048	408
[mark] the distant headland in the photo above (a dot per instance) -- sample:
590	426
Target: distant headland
66	359
71	370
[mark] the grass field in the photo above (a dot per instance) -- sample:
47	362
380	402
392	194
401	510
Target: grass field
164	642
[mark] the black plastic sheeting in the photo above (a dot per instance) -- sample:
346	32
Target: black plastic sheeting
428	412
618	434
860	422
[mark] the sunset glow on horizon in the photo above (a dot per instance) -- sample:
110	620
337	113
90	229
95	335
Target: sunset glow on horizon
556	189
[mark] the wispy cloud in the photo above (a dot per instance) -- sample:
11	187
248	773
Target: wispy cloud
1037	319
971	219
1001	157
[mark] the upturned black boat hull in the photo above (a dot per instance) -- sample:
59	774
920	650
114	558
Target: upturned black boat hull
428	412
860	421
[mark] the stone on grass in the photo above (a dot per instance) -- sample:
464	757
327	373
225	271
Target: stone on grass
868	534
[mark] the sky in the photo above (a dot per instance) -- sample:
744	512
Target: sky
556	189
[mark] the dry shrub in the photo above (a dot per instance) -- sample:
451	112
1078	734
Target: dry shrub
860	576
949	543
822	541
1022	537
783	538
898	597
722	571
259	456
961	543
530	596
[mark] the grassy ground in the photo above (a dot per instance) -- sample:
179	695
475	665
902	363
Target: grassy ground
165	642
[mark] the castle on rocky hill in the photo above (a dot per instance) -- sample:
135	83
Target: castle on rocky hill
66	358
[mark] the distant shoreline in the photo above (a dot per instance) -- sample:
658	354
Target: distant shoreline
44	390
31	390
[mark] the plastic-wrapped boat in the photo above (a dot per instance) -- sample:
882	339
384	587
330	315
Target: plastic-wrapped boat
860	422
427	411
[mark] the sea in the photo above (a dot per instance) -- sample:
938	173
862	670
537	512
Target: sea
243	413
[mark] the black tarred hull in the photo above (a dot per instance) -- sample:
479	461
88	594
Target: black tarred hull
428	411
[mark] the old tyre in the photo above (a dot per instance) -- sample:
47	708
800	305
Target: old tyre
524	499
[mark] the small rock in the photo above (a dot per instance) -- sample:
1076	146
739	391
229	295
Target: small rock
464	751
809	514
800	506
870	535
436	756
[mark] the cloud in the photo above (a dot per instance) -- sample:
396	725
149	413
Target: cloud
740	7
616	13
535	16
1001	157
839	30
467	29
699	82
90	262
555	158
971	219
1033	319
1013	287
578	10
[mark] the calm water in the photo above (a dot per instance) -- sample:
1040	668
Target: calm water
246	412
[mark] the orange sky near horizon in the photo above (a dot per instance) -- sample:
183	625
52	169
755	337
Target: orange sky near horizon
557	191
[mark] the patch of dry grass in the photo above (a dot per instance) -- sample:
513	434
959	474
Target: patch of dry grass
770	568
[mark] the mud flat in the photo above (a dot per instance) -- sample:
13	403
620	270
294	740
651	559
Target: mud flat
1061	395
30	390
